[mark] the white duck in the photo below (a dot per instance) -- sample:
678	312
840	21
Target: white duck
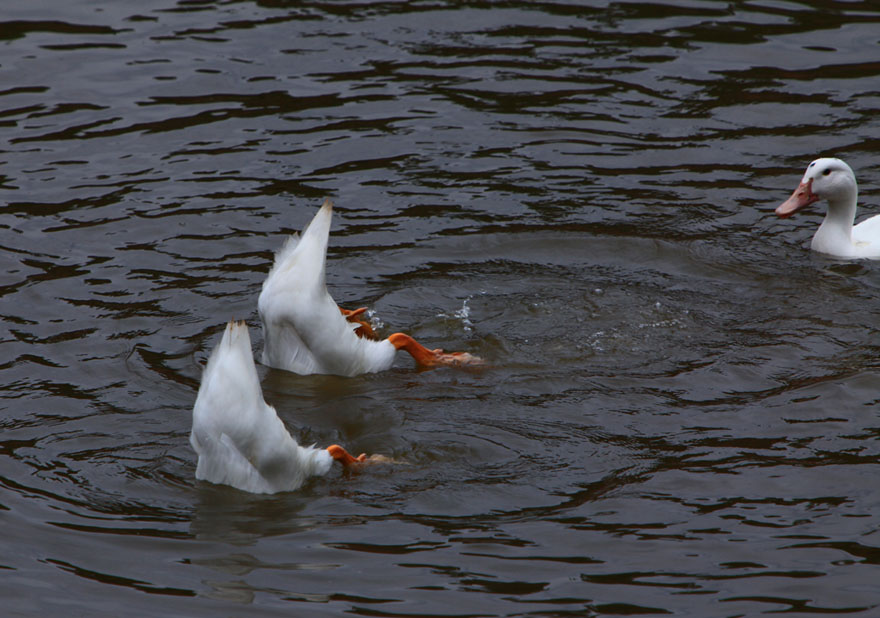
238	437
833	180
306	332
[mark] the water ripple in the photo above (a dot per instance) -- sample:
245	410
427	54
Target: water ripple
678	416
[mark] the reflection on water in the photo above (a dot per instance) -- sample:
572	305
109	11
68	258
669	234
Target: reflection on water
679	417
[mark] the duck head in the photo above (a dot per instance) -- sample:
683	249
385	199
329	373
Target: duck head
827	178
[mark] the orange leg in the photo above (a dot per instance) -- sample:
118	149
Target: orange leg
344	457
355	464
432	358
364	330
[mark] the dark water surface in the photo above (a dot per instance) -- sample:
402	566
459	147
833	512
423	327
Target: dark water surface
681	417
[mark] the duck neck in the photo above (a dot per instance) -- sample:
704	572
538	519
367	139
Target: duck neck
835	234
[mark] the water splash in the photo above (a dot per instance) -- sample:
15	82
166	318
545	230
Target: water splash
376	322
462	315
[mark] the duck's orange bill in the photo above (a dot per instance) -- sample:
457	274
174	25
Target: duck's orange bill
802	196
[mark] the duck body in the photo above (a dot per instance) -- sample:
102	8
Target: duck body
239	439
834	181
303	328
305	331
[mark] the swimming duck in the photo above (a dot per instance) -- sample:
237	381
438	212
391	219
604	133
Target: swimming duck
305	331
834	181
239	438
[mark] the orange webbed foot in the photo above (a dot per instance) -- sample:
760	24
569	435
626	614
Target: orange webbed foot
434	358
456	359
364	330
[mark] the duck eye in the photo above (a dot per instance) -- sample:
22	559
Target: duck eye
826	172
